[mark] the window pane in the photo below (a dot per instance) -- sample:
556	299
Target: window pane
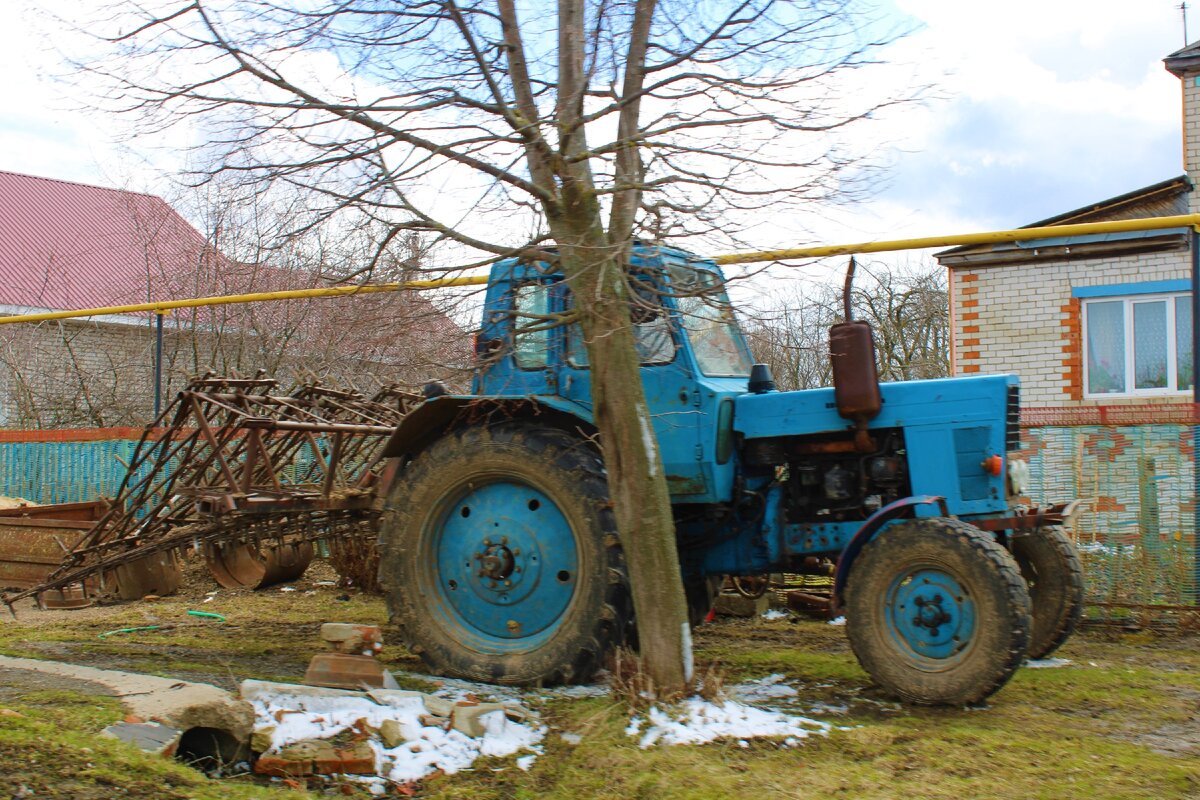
708	319
1106	347
531	346
651	329
1183	342
1150	345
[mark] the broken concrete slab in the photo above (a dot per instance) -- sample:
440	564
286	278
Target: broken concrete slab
260	739
151	737
468	719
176	703
391	733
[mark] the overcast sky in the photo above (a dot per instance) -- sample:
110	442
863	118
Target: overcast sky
1045	105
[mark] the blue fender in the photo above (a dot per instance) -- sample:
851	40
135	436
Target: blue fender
431	419
874	524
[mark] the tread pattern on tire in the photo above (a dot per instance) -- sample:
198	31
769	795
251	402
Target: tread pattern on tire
1008	578
1072	580
611	623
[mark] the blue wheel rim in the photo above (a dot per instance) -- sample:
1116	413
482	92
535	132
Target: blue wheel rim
931	617
505	565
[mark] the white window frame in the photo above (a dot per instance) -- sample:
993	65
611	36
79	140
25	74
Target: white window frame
1128	301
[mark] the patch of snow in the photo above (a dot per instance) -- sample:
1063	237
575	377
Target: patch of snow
570	738
839	621
1047	663
425	749
634	726
525	762
771	687
579	690
774	614
287	588
829	708
699	721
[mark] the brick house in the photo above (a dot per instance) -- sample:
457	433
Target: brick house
66	246
1100	330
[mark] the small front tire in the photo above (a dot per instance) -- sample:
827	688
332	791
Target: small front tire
937	612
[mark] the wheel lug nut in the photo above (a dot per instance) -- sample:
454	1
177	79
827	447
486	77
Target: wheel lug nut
508	583
503	540
937	598
517	552
920	601
487	542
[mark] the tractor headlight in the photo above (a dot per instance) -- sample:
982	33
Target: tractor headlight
1018	476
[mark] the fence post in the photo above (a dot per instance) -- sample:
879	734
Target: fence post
1195	248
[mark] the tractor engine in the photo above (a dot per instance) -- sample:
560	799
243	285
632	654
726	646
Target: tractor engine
834	477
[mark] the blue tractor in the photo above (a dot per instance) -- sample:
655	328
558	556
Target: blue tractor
500	555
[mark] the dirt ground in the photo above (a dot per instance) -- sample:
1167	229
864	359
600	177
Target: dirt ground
1120	719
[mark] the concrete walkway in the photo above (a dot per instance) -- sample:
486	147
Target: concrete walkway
172	702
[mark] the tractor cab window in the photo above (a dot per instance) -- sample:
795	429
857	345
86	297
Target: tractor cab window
708	320
651	331
531	325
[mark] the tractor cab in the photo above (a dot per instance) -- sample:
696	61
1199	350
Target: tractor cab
694	358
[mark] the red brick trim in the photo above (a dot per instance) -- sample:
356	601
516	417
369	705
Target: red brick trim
1072	350
1143	414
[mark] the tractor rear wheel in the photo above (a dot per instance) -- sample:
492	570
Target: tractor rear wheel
500	558
937	612
1051	567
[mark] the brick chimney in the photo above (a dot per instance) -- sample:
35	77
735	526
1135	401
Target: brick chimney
1185	65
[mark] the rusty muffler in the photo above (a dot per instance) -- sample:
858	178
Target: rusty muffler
855	377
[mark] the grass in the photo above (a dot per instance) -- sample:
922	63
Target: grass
1122	721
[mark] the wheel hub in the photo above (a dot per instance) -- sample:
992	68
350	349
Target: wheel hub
506	564
496	563
930	615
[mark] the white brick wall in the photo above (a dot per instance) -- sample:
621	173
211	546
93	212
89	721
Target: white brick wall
1021	325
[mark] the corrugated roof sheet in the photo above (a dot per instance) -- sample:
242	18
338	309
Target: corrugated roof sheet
69	245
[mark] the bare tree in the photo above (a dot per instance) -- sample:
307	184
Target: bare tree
907	306
593	122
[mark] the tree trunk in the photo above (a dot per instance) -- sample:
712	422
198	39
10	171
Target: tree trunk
636	482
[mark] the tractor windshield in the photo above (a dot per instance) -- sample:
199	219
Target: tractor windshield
708	319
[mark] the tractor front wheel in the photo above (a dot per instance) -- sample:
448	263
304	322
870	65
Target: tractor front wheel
937	612
500	559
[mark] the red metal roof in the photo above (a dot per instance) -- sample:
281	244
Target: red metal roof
69	245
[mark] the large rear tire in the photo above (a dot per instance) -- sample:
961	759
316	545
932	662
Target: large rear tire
937	612
500	558
1051	568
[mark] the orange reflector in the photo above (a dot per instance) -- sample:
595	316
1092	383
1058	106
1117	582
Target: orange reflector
993	465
